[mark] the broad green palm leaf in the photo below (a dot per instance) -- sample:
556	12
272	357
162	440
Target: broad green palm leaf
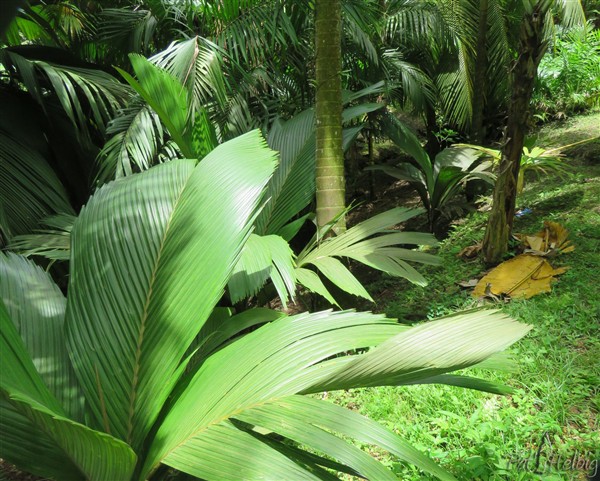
124	385
299	346
83	452
37	309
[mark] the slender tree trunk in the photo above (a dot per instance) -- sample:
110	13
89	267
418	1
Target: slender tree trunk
370	140
531	50
432	144
479	76
329	154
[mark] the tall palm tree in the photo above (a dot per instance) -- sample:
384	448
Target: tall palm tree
330	181
463	48
534	33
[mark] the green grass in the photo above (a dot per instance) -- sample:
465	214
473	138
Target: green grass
557	387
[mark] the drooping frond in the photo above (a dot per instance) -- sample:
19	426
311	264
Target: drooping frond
126	29
85	94
29	188
456	89
52	240
135	140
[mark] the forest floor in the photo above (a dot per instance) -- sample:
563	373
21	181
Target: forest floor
549	428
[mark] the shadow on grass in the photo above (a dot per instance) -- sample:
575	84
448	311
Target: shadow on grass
570	199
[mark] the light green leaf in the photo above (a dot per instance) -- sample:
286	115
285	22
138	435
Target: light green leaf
357	243
300	425
307	415
453	342
196	63
148	267
301	354
337	273
240	456
264	258
36	306
313	283
167	97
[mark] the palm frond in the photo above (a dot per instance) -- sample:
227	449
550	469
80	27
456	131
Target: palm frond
197	64
305	350
29	188
167	97
53	241
37	308
364	244
95	455
130	31
84	93
136	138
164	217
264	258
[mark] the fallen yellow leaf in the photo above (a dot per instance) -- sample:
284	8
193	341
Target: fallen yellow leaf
522	276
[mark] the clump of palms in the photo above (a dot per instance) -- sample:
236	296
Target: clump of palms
152	380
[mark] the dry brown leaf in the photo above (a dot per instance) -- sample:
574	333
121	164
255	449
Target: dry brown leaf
535	243
522	276
470	252
468	284
551	240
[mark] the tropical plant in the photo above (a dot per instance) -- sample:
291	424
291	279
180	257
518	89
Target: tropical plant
438	181
167	107
534	159
569	74
53	113
151	380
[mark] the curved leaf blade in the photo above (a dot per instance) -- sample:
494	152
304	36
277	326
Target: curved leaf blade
37	308
148	268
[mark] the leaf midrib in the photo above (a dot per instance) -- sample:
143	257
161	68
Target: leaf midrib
140	340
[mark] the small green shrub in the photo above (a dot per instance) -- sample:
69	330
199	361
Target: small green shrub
569	75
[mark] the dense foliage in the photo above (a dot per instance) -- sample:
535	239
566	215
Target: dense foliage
569	75
158	176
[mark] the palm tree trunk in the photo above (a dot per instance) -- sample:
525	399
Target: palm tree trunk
479	76
531	50
329	154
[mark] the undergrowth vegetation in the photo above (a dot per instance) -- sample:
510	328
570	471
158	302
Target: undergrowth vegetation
553	415
569	75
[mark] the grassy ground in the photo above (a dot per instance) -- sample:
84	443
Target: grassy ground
554	411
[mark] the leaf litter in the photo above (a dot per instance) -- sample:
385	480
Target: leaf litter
529	273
